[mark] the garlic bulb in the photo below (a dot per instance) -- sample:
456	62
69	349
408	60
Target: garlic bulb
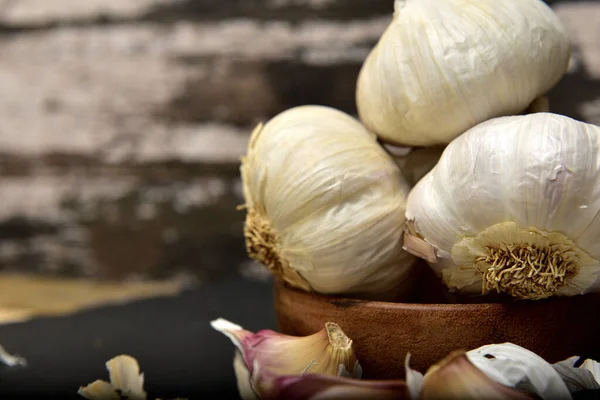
443	66
325	204
513	206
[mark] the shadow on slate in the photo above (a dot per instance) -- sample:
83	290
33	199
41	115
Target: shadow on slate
178	352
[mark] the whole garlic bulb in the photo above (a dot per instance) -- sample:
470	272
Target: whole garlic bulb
325	204
443	66
513	206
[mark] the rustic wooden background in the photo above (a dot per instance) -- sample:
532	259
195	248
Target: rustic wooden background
122	121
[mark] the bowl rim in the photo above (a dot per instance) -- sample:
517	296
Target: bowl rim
341	301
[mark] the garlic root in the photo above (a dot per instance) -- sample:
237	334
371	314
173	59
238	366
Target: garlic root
525	271
262	244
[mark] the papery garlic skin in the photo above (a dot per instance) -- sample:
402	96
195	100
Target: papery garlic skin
325	205
11	360
414	379
126	381
579	378
594	367
243	378
527	183
443	66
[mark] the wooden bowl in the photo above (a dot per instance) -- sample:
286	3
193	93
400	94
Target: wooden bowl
383	333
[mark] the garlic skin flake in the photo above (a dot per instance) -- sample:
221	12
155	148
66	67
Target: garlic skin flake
584	377
513	206
126	381
414	379
262	357
517	367
443	66
11	360
594	368
325	205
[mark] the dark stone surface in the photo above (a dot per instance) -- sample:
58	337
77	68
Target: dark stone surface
178	352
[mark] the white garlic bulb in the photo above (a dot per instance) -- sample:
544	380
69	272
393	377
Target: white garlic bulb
325	204
513	206
443	66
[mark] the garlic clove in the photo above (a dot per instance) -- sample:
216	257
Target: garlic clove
455	377
517	367
323	387
126	381
268	354
441	67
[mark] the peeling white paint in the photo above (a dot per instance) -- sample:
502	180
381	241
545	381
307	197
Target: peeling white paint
40	11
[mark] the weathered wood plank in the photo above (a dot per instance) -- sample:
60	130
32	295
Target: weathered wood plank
41	14
119	228
143	92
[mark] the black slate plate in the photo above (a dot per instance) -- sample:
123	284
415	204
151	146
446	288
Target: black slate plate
179	353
